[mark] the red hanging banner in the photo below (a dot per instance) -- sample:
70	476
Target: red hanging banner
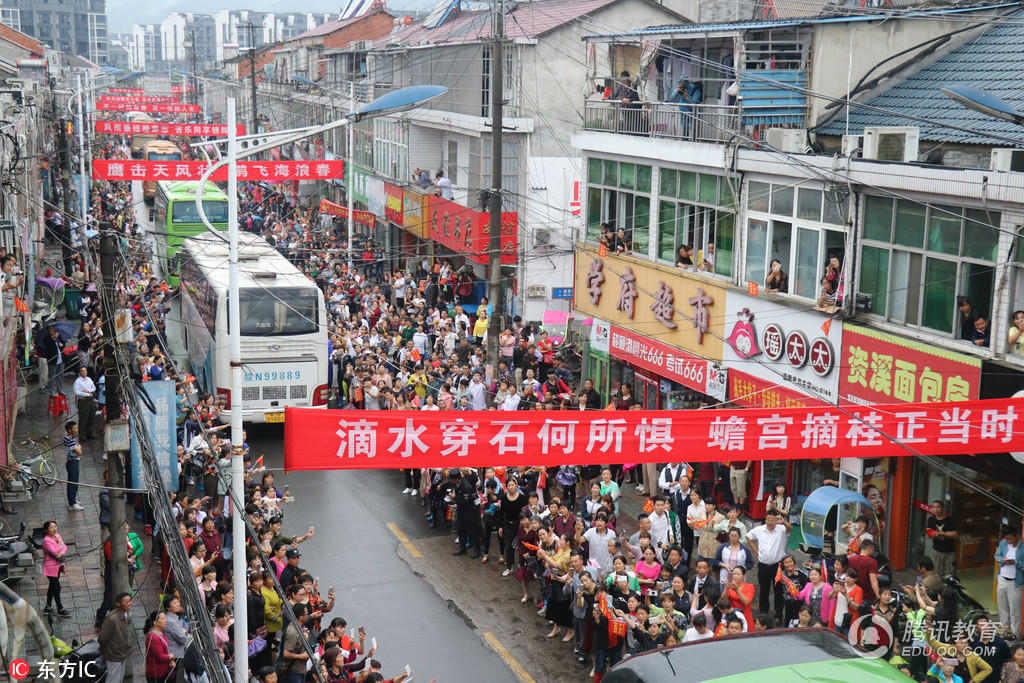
363	217
138	99
160	128
109	169
166	107
127	91
349	439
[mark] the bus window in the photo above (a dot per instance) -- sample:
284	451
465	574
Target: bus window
166	156
186	212
271	312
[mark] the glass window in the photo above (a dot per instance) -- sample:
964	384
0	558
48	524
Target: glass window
782	239
782	200
627	174
641	224
594	171
976	283
909	228
757	196
874	277
939	294
726	195
806	263
809	204
643	178
724	244
268	312
593	213
709	189
667	231
944	230
877	218
611	173
981	235
667	182
757	243
836	205
688	185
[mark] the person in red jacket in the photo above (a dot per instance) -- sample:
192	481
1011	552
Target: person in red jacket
159	660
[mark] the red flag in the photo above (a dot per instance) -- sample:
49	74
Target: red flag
826	326
20	306
416	355
778	574
649	506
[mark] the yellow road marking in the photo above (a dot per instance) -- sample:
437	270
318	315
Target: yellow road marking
513	664
404	540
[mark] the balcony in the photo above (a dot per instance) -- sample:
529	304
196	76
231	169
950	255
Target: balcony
694	123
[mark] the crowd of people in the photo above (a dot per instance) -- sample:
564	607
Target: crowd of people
412	336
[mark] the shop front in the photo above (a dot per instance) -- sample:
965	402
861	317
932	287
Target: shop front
779	356
669	358
878	368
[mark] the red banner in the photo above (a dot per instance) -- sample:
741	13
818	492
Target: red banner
128	91
275	171
753	392
393	204
148	107
468	232
348	439
363	217
138	99
661	359
159	128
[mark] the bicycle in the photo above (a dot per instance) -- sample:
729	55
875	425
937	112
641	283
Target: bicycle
47	471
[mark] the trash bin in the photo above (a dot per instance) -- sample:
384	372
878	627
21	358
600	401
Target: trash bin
72	301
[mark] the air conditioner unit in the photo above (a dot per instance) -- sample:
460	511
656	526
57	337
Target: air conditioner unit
853	146
543	238
536	291
789	140
1008	159
891	143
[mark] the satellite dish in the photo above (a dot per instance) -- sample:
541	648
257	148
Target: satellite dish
1018	455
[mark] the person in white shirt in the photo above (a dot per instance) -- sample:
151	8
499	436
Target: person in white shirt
399	288
512	400
662	533
769	543
698	629
597	538
668	480
421	341
478	393
443	185
461	319
1009	556
85	398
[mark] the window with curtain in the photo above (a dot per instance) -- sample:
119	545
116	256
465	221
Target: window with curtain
619	194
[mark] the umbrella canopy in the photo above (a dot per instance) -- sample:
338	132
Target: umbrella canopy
65	331
52	283
817	507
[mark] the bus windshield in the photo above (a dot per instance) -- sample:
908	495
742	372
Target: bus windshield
165	156
271	312
184	211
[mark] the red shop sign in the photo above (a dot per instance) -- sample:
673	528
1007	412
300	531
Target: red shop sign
882	368
393	204
160	128
466	231
316	439
664	360
108	169
138	99
166	107
753	392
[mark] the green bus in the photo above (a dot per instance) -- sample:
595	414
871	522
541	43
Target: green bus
176	218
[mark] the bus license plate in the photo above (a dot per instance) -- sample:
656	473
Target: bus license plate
273	417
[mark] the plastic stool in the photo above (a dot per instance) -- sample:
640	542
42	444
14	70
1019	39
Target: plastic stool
58	406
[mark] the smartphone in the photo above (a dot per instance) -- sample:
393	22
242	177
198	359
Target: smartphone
330	590
408	670
373	643
920	581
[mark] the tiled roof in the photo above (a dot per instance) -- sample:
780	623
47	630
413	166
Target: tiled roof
331	27
991	62
19	38
527	20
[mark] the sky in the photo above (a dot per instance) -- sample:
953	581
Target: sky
122	14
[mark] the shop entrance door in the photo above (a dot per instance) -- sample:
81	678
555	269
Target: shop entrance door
647	391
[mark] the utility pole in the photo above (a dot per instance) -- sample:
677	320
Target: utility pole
193	96
118	562
84	188
58	167
252	76
496	288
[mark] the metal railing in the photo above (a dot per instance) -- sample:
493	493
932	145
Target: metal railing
696	122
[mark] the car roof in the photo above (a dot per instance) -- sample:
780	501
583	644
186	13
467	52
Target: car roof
780	655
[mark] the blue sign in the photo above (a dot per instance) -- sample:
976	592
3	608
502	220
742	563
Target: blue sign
561	292
163	435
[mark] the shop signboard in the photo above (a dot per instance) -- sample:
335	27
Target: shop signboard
791	348
468	232
750	391
682	310
878	367
600	336
375	195
693	372
393	197
359	178
414	204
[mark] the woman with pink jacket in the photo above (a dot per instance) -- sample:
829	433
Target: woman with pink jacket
818	595
54	551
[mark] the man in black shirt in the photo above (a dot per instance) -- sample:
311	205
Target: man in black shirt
942	530
593	398
291	573
987	645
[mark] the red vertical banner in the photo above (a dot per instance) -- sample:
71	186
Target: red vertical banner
393	204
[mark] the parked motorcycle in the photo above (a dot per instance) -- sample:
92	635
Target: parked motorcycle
17	558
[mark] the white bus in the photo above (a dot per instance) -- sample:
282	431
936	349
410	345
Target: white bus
284	327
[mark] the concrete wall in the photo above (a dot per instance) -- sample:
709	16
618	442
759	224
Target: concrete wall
870	43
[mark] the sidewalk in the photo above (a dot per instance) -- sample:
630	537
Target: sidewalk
82	585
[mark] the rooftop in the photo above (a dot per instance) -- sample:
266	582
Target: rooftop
332	26
991	62
18	38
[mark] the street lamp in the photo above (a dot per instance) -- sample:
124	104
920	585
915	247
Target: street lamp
399	100
983	102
